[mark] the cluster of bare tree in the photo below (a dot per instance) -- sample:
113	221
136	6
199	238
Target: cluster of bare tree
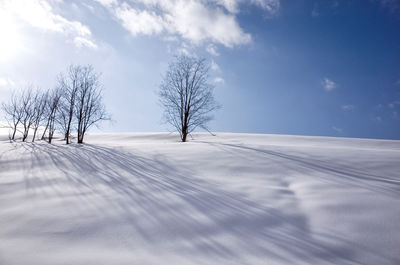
75	103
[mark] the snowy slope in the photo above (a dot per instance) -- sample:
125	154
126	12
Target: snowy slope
228	199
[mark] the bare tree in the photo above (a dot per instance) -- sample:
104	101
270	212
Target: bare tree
39	108
27	107
47	113
186	95
62	117
69	84
89	104
13	112
52	108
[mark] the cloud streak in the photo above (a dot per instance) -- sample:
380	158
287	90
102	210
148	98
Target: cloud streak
336	129
347	107
219	80
328	84
393	104
392	5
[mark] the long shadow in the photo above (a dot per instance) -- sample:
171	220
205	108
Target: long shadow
162	202
388	186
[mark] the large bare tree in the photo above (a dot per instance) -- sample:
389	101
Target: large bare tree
187	96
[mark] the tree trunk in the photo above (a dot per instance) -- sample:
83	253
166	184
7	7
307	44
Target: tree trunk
34	135
51	132
25	134
185	127
184	133
68	127
45	130
15	130
80	137
67	138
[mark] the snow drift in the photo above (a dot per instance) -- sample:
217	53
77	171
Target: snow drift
232	198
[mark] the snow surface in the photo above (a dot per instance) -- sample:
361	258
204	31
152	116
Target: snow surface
228	199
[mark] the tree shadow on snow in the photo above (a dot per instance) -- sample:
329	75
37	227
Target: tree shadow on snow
164	203
335	173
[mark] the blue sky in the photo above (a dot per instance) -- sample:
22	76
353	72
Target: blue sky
289	67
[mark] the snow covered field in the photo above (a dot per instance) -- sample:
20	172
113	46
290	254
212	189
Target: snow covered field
228	199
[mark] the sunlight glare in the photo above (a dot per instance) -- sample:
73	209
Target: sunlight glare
10	38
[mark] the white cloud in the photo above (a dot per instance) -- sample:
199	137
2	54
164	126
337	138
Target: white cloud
6	82
107	2
393	104
271	6
392	5
328	84
338	130
212	49
347	107
88	6
82	42
232	6
40	14
139	21
195	21
183	51
219	80
315	11
215	66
